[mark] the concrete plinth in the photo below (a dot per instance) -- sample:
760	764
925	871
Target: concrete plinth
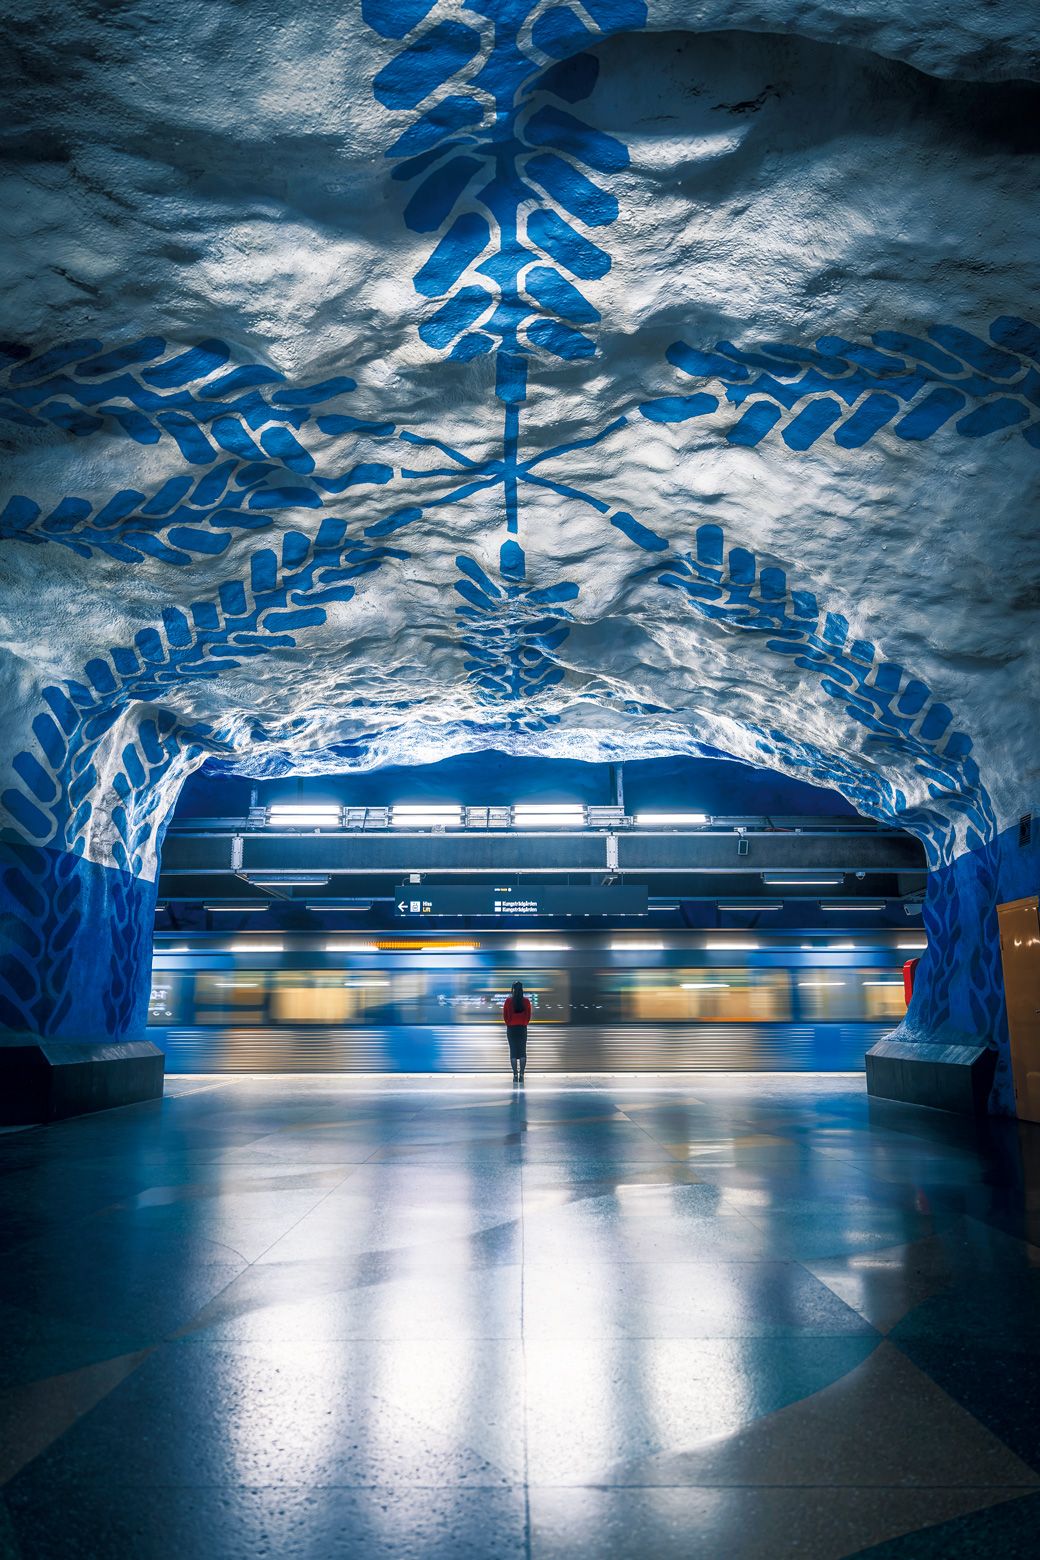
46	1080
946	1077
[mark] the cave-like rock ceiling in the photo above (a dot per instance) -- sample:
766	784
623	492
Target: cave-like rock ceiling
383	380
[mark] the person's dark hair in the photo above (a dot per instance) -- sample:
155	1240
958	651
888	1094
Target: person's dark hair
518	996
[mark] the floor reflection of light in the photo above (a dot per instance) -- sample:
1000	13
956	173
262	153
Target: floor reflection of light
279	1413
881	1261
459	1395
639	1199
705	1147
720	1297
748	1196
599	1403
538	1199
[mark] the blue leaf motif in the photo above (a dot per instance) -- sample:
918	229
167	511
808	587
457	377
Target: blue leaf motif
574	192
473	168
557	296
564	244
551	127
434	57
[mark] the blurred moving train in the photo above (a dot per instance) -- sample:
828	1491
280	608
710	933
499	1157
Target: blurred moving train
602	1002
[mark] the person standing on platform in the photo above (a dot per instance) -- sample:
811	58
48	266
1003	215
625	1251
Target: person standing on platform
516	1010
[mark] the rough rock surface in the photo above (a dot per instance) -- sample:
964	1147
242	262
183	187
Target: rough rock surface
391	380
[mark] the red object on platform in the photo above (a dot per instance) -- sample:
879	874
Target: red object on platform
909	972
510	1014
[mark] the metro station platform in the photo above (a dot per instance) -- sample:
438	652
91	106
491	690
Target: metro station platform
750	1317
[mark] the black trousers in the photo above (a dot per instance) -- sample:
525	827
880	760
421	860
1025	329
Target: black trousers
517	1042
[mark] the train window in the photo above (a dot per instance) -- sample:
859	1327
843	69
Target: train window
850	995
476	997
330	996
392	997
166	997
698	996
230	996
883	993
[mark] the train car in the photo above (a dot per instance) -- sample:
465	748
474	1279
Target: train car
602	1002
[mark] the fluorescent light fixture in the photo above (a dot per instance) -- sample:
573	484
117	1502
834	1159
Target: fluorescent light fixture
244	909
705	985
428	815
912	947
551	821
251	947
358	985
300	815
549	807
821	983
750	904
305	809
807	878
304	821
427	807
288	879
549	815
852	904
540	947
350	947
637	947
730	947
651	820
895	984
427	820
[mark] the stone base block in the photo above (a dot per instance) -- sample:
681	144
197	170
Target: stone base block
46	1080
946	1077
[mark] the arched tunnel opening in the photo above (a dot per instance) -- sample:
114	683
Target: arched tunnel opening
376	922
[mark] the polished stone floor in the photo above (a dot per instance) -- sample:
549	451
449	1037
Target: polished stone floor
742	1317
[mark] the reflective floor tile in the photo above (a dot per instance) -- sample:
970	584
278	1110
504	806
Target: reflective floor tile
702	1317
883	1414
321	1414
343	1299
114	1522
431	1230
560	1235
598	1411
740	1524
585	1300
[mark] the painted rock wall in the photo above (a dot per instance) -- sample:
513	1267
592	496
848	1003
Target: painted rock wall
594	380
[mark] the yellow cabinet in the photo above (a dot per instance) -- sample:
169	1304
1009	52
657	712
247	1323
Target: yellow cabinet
1020	956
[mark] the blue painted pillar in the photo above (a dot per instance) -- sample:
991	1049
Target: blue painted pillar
75	945
83	807
958	1002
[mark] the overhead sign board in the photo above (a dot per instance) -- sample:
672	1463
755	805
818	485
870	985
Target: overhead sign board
426	900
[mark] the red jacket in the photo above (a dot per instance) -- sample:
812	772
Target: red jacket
512	1017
